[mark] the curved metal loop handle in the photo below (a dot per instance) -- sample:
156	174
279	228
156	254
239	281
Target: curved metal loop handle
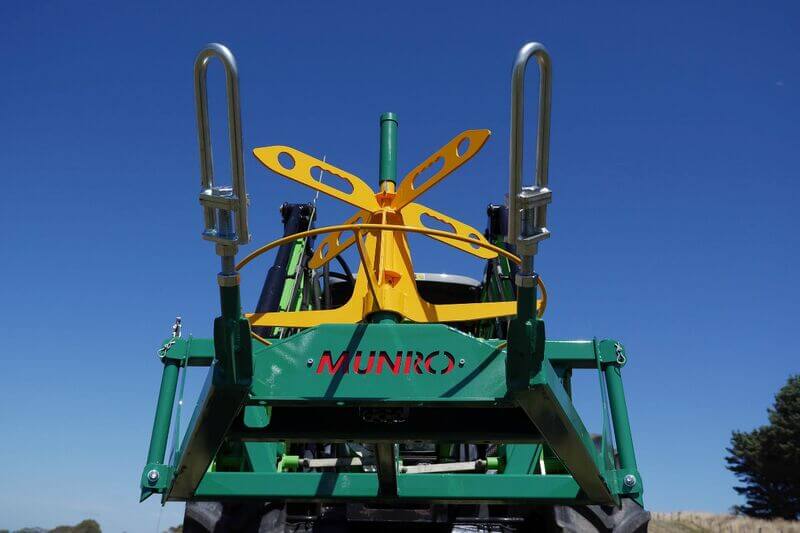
538	51
238	202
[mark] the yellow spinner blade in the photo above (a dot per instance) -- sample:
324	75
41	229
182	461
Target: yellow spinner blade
353	190
334	243
412	216
453	155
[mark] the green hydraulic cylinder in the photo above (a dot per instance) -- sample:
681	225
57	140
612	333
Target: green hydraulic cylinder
388	151
166	399
619	417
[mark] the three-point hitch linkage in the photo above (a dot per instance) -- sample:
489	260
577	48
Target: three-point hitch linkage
390	389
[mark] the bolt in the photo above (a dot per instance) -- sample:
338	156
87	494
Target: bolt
461	362
310	362
629	480
153	475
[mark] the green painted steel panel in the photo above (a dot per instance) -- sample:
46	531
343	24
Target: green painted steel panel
415	363
521	458
306	485
487	487
571	354
434	487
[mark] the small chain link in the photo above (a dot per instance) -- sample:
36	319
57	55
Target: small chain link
162	352
620	353
176	334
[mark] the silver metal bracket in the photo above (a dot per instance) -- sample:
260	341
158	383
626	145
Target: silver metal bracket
530	200
533	197
525	280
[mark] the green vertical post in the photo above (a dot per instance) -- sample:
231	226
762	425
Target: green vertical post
230	303
619	417
526	302
232	337
388	159
525	341
166	399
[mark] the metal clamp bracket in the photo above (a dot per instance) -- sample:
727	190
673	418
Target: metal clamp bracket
224	207
529	200
527	209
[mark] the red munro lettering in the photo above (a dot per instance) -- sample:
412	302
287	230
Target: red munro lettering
409	362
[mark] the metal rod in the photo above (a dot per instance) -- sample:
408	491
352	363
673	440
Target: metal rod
225	56
388	150
619	417
516	149
465	466
166	399
336	461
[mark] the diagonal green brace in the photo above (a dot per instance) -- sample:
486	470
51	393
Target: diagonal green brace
550	409
538	389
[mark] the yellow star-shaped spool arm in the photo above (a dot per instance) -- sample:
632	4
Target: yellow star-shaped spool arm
385	280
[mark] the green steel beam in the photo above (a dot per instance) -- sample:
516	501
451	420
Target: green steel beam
550	408
629	480
156	475
619	417
261	456
581	354
325	486
166	400
343	424
218	406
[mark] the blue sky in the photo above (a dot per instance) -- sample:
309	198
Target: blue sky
674	169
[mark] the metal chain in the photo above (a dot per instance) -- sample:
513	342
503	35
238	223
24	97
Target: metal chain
176	334
620	353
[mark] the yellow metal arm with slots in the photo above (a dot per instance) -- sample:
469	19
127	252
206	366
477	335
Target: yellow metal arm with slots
386	280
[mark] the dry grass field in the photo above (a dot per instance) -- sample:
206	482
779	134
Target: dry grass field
686	522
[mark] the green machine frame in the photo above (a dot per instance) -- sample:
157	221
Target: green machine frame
452	386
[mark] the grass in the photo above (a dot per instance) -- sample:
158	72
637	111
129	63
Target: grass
688	522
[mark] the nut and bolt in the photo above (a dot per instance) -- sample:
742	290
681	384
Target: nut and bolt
153	476
310	362
629	480
461	362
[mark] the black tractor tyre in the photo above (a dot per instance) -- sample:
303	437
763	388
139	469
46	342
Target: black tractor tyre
217	517
629	518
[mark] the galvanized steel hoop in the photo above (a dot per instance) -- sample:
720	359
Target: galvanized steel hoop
236	203
516	148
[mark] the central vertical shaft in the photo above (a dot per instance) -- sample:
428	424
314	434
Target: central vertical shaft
387	171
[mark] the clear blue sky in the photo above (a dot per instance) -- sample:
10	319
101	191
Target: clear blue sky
674	164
